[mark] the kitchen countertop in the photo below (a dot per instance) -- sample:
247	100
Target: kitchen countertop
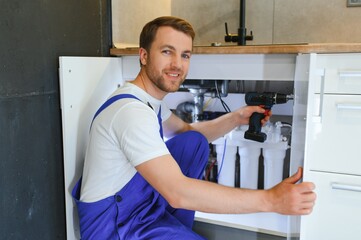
261	49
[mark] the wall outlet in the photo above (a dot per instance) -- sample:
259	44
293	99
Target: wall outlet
353	3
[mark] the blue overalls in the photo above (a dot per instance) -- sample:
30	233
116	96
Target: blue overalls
138	211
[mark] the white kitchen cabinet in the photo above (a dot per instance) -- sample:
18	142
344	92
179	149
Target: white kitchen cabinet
332	159
325	132
86	82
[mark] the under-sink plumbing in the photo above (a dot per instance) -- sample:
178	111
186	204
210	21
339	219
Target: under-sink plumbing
198	88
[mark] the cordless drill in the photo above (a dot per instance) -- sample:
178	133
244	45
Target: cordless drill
265	100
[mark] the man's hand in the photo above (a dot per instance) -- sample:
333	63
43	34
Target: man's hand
290	198
247	111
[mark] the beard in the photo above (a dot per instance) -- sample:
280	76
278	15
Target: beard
158	80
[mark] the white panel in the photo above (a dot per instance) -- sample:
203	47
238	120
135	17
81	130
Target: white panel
299	126
342	73
130	67
243	67
84	85
337	212
333	134
300	111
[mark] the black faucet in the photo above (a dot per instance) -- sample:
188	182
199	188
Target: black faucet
242	36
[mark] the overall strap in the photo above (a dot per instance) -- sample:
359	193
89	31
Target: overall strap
160	122
111	100
121	96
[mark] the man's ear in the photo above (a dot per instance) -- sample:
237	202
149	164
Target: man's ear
143	56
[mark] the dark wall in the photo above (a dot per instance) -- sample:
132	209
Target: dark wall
33	34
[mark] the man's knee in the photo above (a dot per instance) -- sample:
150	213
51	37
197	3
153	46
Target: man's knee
189	145
195	138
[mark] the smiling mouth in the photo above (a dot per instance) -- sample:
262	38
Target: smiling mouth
173	74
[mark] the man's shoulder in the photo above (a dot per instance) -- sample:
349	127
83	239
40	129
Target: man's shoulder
129	90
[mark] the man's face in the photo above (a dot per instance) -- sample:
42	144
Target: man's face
167	62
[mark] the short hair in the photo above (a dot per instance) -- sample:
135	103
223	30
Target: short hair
150	29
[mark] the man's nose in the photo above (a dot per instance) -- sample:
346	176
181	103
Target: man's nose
176	61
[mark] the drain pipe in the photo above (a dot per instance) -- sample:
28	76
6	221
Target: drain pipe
198	96
185	108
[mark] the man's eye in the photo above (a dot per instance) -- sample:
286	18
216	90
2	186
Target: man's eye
186	56
167	52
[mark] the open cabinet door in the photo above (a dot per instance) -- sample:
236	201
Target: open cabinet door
85	83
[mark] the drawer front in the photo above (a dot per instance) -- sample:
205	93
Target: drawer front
333	134
337	213
339	73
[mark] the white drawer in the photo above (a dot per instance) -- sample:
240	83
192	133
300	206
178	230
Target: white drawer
339	73
337	213
333	134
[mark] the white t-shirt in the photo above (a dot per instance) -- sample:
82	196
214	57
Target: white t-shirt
122	136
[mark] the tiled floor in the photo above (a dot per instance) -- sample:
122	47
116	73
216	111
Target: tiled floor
215	232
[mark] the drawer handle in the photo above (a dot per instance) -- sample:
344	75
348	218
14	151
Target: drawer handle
344	106
346	187
350	73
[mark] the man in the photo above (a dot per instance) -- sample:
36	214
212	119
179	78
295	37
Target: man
135	186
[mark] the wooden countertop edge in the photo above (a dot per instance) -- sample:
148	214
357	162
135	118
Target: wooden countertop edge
262	49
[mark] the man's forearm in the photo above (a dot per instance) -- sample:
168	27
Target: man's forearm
218	127
286	197
213	198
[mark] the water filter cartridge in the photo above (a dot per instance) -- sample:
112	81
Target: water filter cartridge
273	166
249	156
226	157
